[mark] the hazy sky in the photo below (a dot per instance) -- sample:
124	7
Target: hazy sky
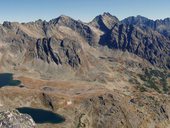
85	10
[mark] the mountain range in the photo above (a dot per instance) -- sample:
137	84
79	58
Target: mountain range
113	73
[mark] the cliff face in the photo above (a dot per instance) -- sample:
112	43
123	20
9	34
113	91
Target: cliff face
59	51
146	44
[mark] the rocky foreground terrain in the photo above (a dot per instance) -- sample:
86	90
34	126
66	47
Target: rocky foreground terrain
103	74
13	119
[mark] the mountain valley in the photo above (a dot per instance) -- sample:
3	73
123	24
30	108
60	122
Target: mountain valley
103	74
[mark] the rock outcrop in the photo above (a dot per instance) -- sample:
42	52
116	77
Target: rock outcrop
14	119
59	51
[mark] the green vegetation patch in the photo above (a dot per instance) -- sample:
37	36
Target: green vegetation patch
156	80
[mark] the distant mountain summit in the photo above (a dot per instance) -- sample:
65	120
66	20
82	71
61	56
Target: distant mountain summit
162	26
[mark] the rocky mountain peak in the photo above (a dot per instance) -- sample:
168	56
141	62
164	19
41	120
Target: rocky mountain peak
138	20
161	26
64	18
141	17
39	21
107	14
9	25
61	20
6	24
167	20
104	22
